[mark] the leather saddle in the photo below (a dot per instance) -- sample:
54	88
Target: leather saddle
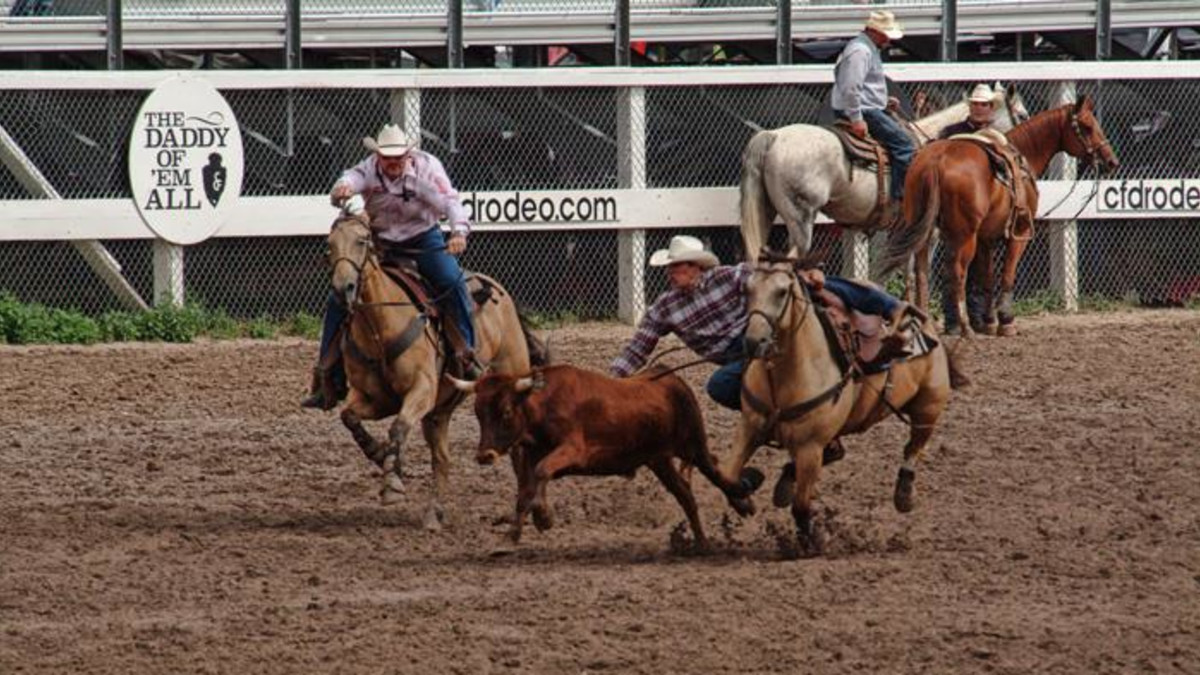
1012	171
860	336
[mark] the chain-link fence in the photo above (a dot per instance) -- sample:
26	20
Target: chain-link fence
534	138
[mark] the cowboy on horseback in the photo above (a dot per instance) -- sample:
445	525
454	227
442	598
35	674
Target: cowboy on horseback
706	309
979	117
406	191
860	99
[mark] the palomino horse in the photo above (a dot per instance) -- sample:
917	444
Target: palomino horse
950	185
395	363
798	170
799	391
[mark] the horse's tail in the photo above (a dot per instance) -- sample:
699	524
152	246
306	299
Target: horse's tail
904	241
757	213
539	350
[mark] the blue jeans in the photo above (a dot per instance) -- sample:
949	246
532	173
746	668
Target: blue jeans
899	146
865	298
725	384
442	272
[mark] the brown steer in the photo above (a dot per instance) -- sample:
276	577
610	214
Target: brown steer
563	420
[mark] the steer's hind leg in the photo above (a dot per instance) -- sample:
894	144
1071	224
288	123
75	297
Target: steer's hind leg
675	483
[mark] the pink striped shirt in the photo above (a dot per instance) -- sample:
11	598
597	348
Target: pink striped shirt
413	203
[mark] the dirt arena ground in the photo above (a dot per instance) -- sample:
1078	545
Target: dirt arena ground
169	509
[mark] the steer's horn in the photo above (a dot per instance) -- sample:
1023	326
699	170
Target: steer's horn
465	386
524	384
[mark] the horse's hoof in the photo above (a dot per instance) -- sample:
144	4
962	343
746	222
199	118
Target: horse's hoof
751	479
984	328
543	519
903	499
1008	330
785	488
434	518
743	507
392	490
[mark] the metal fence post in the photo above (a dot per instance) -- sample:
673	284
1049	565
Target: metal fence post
948	50
783	32
1103	30
168	273
454	33
621	49
631	174
1064	234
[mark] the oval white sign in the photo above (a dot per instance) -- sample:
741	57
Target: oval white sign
185	160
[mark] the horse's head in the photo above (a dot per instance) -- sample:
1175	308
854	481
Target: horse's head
771	295
350	248
1088	141
1009	105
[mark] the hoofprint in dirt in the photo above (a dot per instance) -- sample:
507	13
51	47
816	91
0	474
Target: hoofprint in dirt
169	508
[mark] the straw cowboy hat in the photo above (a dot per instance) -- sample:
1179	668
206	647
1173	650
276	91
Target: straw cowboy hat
981	94
885	22
391	142
684	249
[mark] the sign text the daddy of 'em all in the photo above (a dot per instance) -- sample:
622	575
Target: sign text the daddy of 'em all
185	160
170	135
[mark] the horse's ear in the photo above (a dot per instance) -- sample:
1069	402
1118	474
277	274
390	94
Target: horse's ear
1083	104
1011	90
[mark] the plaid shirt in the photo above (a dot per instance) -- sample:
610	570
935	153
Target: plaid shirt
708	319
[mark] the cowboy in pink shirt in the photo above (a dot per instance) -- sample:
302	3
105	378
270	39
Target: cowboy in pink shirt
407	193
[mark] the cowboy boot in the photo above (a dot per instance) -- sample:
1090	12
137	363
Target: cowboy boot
895	345
316	391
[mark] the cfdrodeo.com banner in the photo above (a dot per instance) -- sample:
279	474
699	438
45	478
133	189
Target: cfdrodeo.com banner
541	207
1174	197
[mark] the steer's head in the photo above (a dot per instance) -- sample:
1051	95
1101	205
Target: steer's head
502	407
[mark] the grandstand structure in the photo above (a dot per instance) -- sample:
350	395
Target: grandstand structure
484	33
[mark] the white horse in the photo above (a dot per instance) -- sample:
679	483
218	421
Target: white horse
798	170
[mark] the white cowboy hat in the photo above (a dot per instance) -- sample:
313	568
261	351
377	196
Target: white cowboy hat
885	22
392	142
684	249
981	94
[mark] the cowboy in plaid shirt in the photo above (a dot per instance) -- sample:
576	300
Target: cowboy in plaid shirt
706	308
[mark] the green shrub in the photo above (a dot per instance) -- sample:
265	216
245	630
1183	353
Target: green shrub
119	327
262	328
303	325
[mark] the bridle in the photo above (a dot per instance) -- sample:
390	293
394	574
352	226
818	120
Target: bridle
1092	151
368	248
797	293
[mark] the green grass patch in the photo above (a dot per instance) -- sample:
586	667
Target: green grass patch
22	323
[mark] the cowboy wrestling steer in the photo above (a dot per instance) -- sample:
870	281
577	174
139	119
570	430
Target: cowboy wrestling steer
563	420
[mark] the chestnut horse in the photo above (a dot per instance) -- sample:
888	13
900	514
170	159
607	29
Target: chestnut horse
797	391
950	185
395	363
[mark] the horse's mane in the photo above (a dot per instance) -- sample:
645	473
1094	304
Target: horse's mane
1029	134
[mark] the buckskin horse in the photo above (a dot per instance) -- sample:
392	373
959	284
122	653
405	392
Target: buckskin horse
951	186
395	363
802	391
798	170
